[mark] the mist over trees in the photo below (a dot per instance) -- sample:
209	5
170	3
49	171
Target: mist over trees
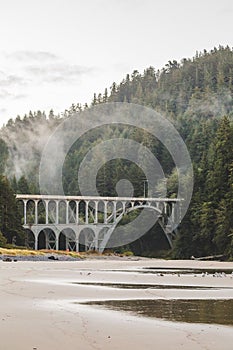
197	96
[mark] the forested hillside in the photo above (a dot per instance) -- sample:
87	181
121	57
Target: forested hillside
197	96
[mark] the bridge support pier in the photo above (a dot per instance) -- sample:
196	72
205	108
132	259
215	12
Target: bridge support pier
36	242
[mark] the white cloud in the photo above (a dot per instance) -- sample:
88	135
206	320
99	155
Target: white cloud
10	80
37	56
36	67
4	94
56	72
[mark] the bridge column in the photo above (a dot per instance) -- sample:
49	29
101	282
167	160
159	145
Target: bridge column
57	212
46	212
77	244
67	212
114	211
36	211
57	240
36	242
77	212
165	208
96	213
86	212
123	206
179	210
25	211
105	211
173	211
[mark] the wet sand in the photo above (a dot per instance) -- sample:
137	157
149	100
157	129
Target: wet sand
41	305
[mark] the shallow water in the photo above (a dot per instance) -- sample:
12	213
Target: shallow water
179	271
187	270
145	286
179	310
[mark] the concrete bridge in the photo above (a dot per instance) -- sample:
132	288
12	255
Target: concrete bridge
71	222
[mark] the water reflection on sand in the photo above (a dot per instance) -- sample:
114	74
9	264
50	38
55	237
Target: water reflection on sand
192	310
179	310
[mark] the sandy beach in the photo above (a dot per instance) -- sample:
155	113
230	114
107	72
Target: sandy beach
42	305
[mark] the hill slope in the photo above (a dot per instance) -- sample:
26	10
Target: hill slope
195	95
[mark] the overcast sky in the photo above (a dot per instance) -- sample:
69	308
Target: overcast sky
57	52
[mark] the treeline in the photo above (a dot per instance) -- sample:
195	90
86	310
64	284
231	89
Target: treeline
197	96
11	230
208	226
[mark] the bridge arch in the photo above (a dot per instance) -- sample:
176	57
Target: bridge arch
41	240
67	239
86	238
47	239
129	207
29	238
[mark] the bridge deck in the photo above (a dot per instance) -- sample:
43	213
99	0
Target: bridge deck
93	198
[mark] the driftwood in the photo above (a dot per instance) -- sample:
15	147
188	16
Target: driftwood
210	257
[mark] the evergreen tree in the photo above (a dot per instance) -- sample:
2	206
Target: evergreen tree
224	220
218	179
22	186
3	240
10	220
3	156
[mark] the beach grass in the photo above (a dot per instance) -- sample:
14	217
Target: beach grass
30	252
20	251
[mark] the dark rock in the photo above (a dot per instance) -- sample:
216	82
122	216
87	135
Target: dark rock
52	257
7	259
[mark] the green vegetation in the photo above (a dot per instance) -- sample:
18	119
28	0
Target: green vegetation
10	220
3	240
197	96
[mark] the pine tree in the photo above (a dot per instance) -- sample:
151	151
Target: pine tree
10	220
221	161
224	220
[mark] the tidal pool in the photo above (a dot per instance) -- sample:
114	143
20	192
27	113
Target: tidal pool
212	311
